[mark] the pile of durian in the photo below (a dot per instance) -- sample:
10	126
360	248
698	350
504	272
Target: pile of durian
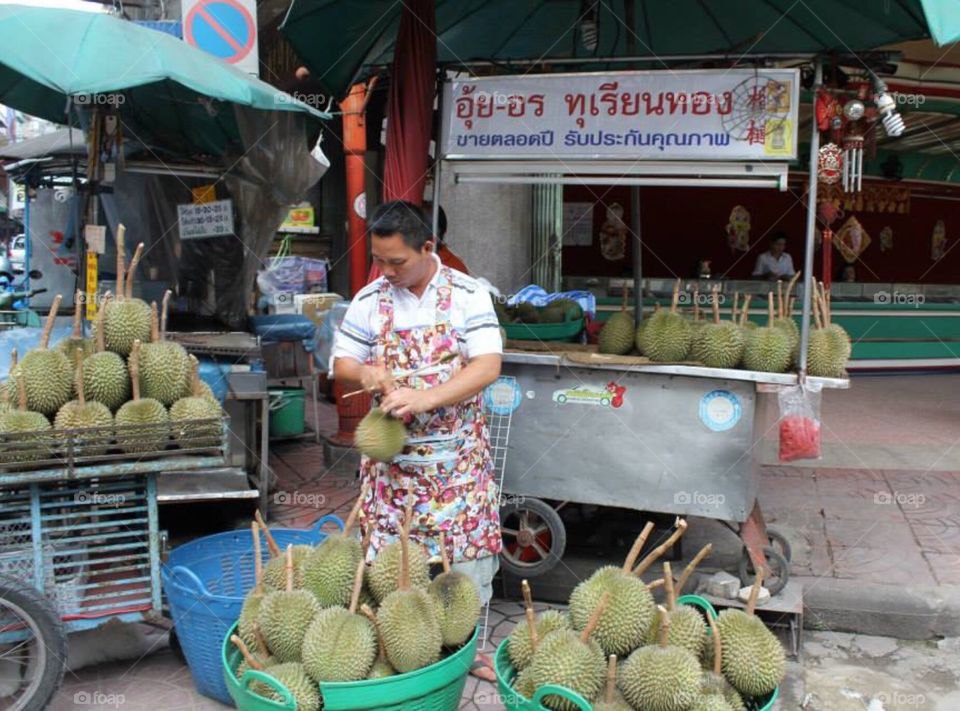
321	614
556	311
128	375
670	660
670	336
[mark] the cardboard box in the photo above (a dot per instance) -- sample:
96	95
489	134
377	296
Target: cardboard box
315	306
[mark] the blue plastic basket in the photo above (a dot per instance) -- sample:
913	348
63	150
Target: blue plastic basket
205	582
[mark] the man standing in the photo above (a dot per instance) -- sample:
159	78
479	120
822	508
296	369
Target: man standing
420	313
775	263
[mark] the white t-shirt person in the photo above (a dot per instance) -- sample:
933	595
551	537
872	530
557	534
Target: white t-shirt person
775	263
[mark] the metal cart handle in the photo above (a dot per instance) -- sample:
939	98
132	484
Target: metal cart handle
551	690
252	675
192	582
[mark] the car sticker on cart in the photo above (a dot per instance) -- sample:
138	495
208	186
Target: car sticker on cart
720	410
610	396
503	396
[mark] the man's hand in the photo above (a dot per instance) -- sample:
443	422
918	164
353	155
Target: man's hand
407	401
376	379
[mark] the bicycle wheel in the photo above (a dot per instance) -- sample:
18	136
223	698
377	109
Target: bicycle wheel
33	647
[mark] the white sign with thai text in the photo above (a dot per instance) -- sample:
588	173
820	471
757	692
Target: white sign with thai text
735	114
208	219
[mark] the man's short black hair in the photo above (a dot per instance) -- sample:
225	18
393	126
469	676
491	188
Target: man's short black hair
777	236
441	219
403	218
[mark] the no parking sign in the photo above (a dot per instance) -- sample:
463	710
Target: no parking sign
225	28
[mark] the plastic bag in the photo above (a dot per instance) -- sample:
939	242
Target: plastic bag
538	296
800	422
293	275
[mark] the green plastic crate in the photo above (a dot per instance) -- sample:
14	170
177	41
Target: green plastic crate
566	331
513	701
438	687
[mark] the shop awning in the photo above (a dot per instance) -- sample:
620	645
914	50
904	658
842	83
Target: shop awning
166	92
341	41
943	17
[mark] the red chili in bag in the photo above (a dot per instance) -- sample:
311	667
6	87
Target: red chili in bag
799	438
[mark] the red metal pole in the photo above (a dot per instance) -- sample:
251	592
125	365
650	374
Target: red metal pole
355	148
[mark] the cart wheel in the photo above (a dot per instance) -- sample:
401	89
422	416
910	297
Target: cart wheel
33	647
534	537
780	542
779	570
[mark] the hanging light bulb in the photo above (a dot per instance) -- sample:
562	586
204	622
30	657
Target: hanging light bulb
887	106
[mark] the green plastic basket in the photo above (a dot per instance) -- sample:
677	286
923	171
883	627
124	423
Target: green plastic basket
566	331
513	701
438	687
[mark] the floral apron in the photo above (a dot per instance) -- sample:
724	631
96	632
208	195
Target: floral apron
447	464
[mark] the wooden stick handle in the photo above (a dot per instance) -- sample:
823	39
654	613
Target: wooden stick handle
48	326
688	571
250	659
271	543
257	562
134	366
755	591
132	270
662	548
357	585
121	259
288	567
638	544
717	645
664	625
595	617
77	313
355	511
164	312
671	598
611	678
531	617
653	585
745	310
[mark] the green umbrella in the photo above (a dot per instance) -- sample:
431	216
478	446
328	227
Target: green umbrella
167	92
340	40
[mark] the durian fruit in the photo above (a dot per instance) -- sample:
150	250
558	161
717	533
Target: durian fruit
457	599
753	658
382	668
341	645
285	616
551	313
718	344
251	660
622	627
47	374
327	569
165	368
641	338
502	312
527	313
711	702
275	572
80	414
247	624
105	375
768	349
291	675
784	321
523	684
669	338
25	429
829	345
714	683
142	416
661	677
9	386
408	617
384	573
525	636
380	436
571	659
185	412
126	319
76	342
570	307
617	335
686	624
612	699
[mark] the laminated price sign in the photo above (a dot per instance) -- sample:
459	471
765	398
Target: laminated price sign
210	219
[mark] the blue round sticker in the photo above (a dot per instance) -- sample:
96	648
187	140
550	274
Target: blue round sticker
720	410
503	396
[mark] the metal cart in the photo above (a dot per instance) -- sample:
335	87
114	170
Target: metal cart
79	538
672	439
